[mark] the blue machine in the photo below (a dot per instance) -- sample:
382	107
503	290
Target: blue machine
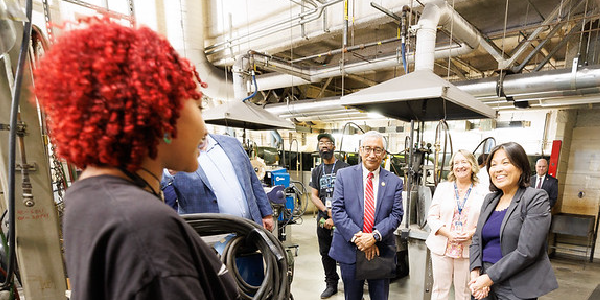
281	177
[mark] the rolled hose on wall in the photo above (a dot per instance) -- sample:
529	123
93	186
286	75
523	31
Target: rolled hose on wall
277	280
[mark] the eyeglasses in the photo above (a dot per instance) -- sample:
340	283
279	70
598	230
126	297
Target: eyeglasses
325	143
376	150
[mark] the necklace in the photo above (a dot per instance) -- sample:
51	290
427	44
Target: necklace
141	182
152	174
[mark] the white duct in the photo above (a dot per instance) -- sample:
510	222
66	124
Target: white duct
272	81
435	14
189	42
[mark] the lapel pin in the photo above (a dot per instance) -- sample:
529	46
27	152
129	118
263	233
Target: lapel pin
383	184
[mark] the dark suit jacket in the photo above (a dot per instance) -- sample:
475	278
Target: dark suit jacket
348	215
195	194
524	263
550	185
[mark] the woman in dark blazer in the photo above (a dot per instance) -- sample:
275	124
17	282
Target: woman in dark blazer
508	257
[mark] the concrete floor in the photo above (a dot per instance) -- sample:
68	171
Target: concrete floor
576	279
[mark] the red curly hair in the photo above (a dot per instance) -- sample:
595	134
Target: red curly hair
110	93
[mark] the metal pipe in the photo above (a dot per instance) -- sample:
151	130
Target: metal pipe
410	172
559	46
532	83
508	62
555	83
536	50
302	18
347	49
345	31
389	61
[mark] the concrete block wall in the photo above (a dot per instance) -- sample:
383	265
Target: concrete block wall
579	167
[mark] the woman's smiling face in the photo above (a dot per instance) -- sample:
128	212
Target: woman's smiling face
503	173
461	167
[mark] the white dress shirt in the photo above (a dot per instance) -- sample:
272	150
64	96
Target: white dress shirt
223	180
375	180
537	180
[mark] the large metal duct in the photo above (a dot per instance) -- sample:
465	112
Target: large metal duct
536	85
564	80
189	41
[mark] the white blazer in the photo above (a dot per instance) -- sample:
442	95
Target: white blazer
441	213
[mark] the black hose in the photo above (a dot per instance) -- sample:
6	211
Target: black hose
483	142
276	284
14	111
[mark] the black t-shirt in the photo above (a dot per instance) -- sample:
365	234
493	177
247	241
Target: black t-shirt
323	178
121	242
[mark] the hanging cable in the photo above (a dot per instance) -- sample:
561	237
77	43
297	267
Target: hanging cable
12	144
344	131
484	143
439	167
278	273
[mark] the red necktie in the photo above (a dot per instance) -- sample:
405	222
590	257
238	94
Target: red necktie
369	206
539	186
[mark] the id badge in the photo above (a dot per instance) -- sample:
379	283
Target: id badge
458	226
328	202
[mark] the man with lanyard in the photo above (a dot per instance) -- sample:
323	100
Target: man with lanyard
323	180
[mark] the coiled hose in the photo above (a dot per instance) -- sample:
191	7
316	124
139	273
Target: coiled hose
278	275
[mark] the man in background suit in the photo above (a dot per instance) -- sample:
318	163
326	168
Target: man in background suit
225	182
367	208
544	181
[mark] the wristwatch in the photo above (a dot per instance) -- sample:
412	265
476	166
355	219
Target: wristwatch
376	236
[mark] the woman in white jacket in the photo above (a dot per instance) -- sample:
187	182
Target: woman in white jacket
452	218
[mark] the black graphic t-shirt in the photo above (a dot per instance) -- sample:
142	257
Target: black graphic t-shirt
323	179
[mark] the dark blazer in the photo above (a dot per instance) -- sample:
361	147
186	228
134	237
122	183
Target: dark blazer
524	263
348	215
195	194
550	185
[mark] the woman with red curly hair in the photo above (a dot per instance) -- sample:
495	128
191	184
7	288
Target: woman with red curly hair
122	105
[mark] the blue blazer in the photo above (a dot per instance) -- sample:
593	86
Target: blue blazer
195	194
348	211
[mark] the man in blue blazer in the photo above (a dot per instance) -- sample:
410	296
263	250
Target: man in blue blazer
355	231
225	182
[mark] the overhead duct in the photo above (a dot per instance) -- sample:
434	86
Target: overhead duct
189	41
422	95
546	88
563	80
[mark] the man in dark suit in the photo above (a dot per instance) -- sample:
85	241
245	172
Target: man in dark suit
544	181
225	182
367	209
